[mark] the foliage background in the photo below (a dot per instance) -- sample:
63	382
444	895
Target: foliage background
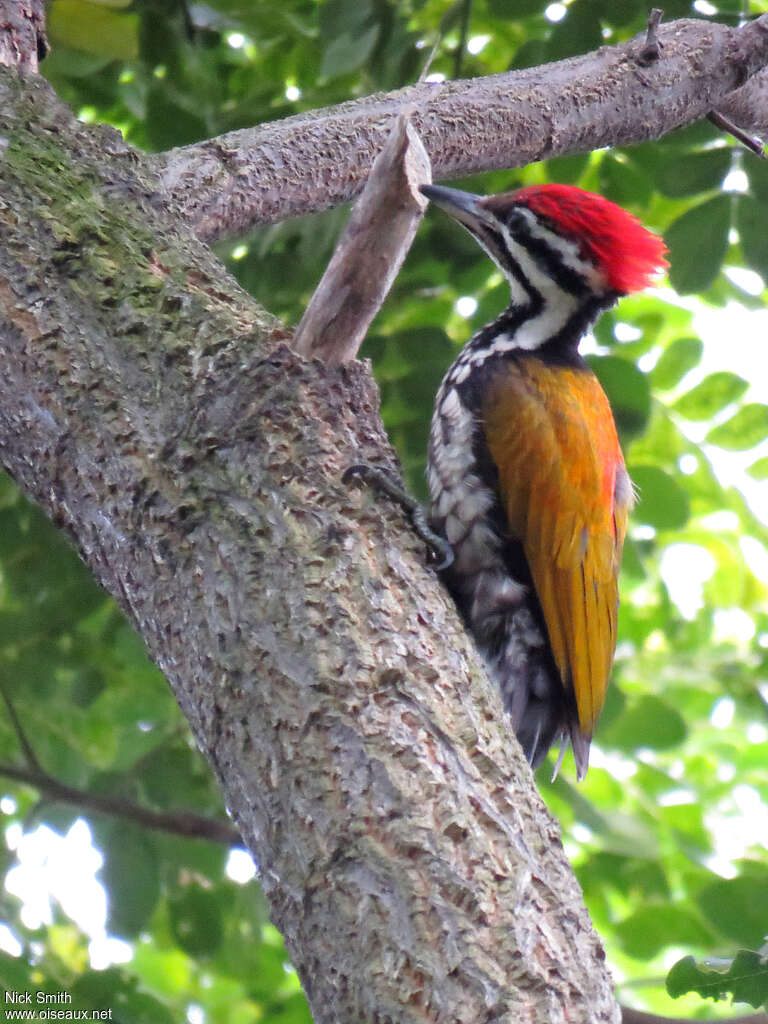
669	833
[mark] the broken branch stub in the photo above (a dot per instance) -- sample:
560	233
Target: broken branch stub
370	251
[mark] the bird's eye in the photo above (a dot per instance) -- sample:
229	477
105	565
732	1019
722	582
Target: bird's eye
515	218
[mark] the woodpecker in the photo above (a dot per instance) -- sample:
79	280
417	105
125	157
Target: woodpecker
526	476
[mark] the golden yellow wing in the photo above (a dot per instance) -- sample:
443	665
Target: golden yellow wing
550	432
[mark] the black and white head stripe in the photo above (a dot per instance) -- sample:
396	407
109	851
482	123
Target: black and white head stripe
555	256
551	282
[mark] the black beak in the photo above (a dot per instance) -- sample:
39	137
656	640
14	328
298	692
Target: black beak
462	206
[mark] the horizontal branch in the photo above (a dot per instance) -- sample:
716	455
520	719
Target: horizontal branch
180	823
605	98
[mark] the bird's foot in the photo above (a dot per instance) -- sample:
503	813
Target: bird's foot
376	477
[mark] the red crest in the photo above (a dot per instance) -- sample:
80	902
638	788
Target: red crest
629	254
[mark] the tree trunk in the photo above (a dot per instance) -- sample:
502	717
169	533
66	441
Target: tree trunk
157	415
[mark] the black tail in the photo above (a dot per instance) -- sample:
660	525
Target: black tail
502	612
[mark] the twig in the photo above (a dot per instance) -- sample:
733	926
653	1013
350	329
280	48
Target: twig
466	17
751	142
180	823
370	251
26	746
430	58
651	51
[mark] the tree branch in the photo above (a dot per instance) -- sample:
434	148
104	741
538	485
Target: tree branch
651	51
180	823
754	145
319	159
370	251
22	34
26	747
747	107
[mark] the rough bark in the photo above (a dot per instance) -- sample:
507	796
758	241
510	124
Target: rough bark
153	409
22	34
605	98
748	106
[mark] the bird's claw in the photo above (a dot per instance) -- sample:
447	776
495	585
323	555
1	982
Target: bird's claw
379	478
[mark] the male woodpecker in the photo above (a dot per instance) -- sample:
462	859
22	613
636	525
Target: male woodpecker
526	476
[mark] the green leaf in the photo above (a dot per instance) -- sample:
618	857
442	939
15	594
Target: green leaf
698	241
619	12
113	989
685	822
627	391
649	722
9	491
630	836
677	9
662	502
691	173
579	32
745	429
711	395
656	926
131	877
15	973
748	978
172	776
94	28
168	123
269	970
39	567
745	979
738	907
675	361
531	53
629	875
195	918
142	1008
515	9
757	173
623	182
347	53
752	225
697	134
344	17
567	169
87	685
759	469
95	987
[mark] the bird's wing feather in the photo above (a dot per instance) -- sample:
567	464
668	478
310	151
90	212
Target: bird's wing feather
551	435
